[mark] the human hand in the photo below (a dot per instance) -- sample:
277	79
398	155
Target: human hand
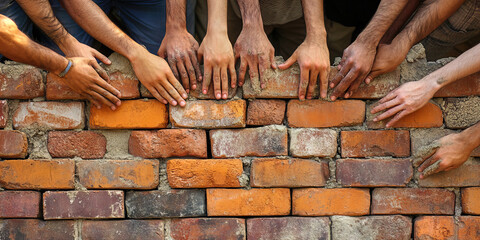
71	47
217	54
313	59
180	49
388	58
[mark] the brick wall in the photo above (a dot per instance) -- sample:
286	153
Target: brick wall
261	165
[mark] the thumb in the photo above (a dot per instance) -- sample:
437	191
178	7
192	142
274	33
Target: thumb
289	62
101	57
371	76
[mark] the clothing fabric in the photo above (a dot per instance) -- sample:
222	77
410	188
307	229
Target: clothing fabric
275	12
5	3
13	11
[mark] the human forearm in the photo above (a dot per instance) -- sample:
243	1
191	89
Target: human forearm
251	15
176	17
217	17
313	13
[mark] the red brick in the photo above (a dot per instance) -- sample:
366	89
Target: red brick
312	142
260	142
13	144
288	228
374	172
338	201
122	229
118	174
131	114
470	203
318	113
54	115
168	143
37	174
428	116
372	227
466	86
412	201
468	227
204	173
209	114
265	112
21	81
206	228
84	144
34	229
253	202
83	204
375	143
20	204
3	113
464	176
288	173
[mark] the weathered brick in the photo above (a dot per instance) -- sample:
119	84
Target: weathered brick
412	201
266	112
159	204
122	229
13	144
338	201
206	228
468	227
372	227
466	86
69	144
20	204
210	114
375	143
37	174
464	176
428	116
461	112
205	173
289	228
446	227
312	142
374	172
253	202
21	81
118	174
83	204
288	173
54	115
168	143
470	203
3	113
261	142
131	114
318	113
34	229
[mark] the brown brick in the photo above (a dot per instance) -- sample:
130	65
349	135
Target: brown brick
464	176
470	203
261	142
288	173
253	202
312	142
466	86
204	173
375	143
13	144
338	201
54	115
118	174
20	204
20	81
289	228
34	229
461	112
372	227
168	143
412	201
209	114
266	112
83	204
428	116
37	174
84	144
207	228
318	113
374	172
131	114
3	113
122	229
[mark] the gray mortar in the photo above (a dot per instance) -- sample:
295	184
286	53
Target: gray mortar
120	64
76	182
162	177
332	181
37	141
13	69
77	226
461	112
117	144
416	52
244	179
12	107
458	201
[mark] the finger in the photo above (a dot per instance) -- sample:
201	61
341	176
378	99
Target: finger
97	104
156	94
273	63
233	74
224	79
184	75
424	153
216	83
105	86
430	167
242	71
355	85
101	57
173	65
323	83
108	95
397	117
163	94
388	113
312	84
175	89
371	76
207	78
196	65
386	105
101	72
344	84
97	96
428	161
253	71
263	64
191	73
290	61
302	87
341	74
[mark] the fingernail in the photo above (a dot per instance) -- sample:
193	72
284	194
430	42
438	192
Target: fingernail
194	86
119	103
332	85
99	107
174	103
218	95
333	98
113	108
182	103
262	85
375	119
233	85
240	84
188	91
185	95
204	91
346	95
225	96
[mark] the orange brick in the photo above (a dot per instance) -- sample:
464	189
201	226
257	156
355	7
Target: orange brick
37	174
375	143
466	86
131	114
468	227
118	174
266	112
3	113
428	116
338	201
13	144
318	113
84	144
21	81
464	176
288	173
470	200
253	202
54	115
205	173
434	227
210	114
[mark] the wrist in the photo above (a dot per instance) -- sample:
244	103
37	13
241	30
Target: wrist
65	42
60	67
175	26
137	52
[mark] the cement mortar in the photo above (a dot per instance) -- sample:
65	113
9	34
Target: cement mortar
461	112
37	141
120	64
117	144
